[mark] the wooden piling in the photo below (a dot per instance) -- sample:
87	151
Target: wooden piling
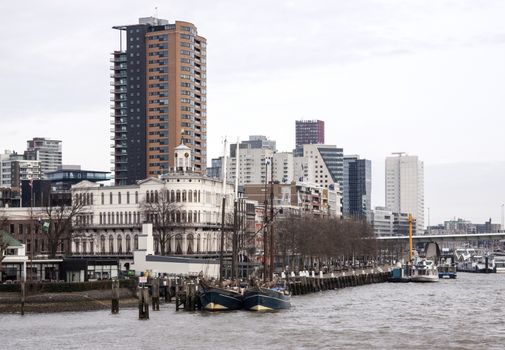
156	294
23	298
143	303
115	297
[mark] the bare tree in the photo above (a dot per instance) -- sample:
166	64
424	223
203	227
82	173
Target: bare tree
60	219
164	213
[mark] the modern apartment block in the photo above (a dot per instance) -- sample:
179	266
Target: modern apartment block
321	164
252	158
405	186
14	168
47	151
357	187
308	132
158	98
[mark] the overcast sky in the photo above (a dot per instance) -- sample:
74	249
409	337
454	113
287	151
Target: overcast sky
423	77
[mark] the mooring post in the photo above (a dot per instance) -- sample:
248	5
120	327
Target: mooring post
156	294
23	295
115	297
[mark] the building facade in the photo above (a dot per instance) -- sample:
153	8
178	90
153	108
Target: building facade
357	187
15	167
308	132
405	186
322	165
191	204
158	98
47	151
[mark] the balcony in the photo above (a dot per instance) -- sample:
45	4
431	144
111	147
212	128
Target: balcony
121	74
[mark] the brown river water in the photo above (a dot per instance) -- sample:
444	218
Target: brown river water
466	313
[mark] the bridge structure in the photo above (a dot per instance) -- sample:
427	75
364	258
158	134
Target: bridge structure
492	236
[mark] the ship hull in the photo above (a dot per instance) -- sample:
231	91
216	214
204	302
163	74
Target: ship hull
218	299
262	299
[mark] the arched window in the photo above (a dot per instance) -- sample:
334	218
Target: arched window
108	218
178	196
91	196
183	216
195	196
178	216
198	243
121	218
136	242
178	244
172	196
92	246
184	195
189	239
77	246
128	244
130	217
119	198
196	218
102	244
190	196
147	196
136	197
84	247
112	217
190	216
101	219
128	197
103	198
110	198
117	218
119	244
111	244
156	196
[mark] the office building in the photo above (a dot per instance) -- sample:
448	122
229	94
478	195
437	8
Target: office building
158	98
308	132
405	186
357	187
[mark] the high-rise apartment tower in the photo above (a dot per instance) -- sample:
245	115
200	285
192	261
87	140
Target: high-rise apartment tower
308	132
405	186
47	151
158	98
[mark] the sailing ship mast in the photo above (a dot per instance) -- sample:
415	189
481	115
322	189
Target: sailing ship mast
221	248
271	231
234	262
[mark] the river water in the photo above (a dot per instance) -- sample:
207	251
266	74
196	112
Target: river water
465	313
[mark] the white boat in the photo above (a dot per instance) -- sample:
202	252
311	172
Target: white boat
471	260
499	263
424	270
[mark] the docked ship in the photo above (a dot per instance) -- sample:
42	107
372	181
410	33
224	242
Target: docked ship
219	299
424	270
471	260
266	299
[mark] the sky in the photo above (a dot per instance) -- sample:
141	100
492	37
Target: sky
426	77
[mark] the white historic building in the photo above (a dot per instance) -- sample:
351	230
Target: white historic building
111	220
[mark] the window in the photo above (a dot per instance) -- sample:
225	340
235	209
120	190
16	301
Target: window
102	244
128	244
136	197
111	244
136	242
128	197
103	198
119	198
110	198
